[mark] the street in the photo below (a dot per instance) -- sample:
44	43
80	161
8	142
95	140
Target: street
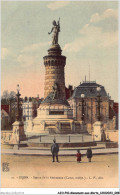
41	172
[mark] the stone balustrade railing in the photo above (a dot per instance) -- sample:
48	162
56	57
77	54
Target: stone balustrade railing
6	135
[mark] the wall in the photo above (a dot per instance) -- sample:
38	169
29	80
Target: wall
112	135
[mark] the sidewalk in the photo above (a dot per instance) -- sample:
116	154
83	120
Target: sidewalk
62	152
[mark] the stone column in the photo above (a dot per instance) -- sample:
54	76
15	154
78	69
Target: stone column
54	71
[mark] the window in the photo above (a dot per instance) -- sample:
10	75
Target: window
56	112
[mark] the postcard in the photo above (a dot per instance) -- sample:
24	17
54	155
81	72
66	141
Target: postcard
59	97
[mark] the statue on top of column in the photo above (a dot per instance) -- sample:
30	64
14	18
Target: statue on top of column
55	29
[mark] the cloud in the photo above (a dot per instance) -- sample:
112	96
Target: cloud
26	60
35	47
107	14
5	53
57	5
30	55
94	38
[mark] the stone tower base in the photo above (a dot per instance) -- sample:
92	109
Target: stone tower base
52	119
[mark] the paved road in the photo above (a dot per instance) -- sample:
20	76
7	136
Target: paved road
66	152
40	172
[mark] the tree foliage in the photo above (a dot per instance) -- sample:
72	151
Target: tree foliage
8	97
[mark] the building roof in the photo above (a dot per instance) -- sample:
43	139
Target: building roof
89	89
5	107
4	113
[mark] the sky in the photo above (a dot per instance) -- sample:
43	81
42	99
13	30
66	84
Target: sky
88	38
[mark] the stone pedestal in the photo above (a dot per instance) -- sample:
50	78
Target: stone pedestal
97	130
18	134
54	118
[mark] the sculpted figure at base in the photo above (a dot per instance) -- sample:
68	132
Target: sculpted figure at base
55	29
55	91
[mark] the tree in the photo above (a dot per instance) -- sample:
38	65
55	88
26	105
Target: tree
5	95
12	95
10	98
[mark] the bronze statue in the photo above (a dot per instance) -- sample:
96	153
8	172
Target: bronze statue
55	91
55	29
54	95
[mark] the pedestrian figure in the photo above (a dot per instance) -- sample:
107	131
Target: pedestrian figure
89	154
78	156
55	150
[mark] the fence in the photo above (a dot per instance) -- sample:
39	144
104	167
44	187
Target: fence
61	139
6	135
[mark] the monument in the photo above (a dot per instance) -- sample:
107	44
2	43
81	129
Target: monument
54	114
18	126
98	131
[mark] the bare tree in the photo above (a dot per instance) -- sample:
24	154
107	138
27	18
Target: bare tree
12	95
5	95
9	98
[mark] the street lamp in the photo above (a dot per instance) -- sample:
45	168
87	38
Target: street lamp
83	115
98	101
18	103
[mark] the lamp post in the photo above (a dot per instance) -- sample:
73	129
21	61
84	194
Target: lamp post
83	115
98	101
97	126
18	118
18	126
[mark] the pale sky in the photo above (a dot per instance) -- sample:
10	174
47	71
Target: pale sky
89	36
